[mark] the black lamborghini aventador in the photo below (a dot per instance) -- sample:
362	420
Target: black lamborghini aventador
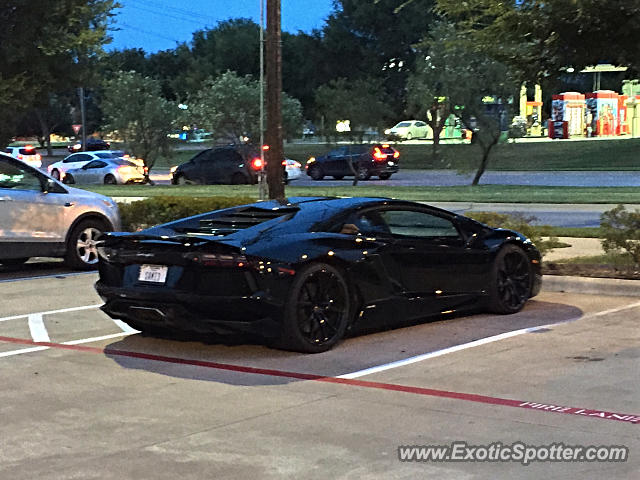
302	272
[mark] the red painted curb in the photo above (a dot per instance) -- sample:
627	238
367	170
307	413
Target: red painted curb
469	397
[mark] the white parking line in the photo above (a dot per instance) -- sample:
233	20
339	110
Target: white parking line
37	328
124	327
22	350
475	343
70	342
58	275
50	312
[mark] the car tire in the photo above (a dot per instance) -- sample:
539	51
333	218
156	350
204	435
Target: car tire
55	174
82	252
14	262
409	136
363	173
510	285
384	176
238	179
180	180
68	179
338	177
110	180
316	173
317	311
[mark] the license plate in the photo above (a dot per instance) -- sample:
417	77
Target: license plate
391	163
153	273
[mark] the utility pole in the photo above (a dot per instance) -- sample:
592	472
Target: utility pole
262	175
275	154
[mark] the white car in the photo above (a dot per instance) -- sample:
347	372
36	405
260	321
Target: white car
293	170
109	171
78	160
409	129
28	154
40	217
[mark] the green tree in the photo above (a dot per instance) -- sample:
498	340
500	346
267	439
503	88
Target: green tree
357	101
44	48
229	105
541	38
458	77
135	110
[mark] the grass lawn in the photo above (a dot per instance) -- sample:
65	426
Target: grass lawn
481	193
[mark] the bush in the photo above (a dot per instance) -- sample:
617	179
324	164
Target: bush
155	210
521	224
621	231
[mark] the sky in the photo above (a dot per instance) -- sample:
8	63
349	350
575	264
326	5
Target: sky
160	24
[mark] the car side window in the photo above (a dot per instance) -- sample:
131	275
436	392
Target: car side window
421	124
95	164
16	178
367	223
413	223
80	157
227	157
204	156
338	152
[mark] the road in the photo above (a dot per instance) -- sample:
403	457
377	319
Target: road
86	397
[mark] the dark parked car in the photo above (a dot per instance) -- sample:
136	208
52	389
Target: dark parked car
93	145
234	164
363	161
303	272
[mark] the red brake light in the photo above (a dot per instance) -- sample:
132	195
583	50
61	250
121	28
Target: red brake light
265	147
378	154
28	148
284	163
256	164
396	154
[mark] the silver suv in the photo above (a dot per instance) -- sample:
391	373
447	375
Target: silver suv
41	217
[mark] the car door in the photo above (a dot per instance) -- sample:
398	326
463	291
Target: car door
76	160
421	129
437	268
336	162
27	214
93	172
207	170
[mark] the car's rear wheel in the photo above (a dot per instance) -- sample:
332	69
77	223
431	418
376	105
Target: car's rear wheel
316	173
317	310
55	174
68	179
510	285
14	262
363	173
384	176
409	136
338	177
82	250
110	180
238	179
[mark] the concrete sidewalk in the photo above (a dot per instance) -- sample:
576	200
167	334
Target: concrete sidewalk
580	247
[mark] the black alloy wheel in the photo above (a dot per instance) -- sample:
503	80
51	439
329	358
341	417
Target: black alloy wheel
317	311
363	173
315	172
384	176
511	283
110	180
239	179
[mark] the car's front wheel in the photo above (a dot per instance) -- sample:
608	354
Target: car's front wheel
55	174
510	285
317	310
82	250
110	180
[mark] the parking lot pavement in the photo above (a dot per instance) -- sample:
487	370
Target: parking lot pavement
92	399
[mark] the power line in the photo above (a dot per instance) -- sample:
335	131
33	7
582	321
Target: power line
148	32
168	15
180	11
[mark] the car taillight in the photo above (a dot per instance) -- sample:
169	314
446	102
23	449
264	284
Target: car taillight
256	164
29	148
38	157
284	163
20	157
220	260
378	154
396	154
